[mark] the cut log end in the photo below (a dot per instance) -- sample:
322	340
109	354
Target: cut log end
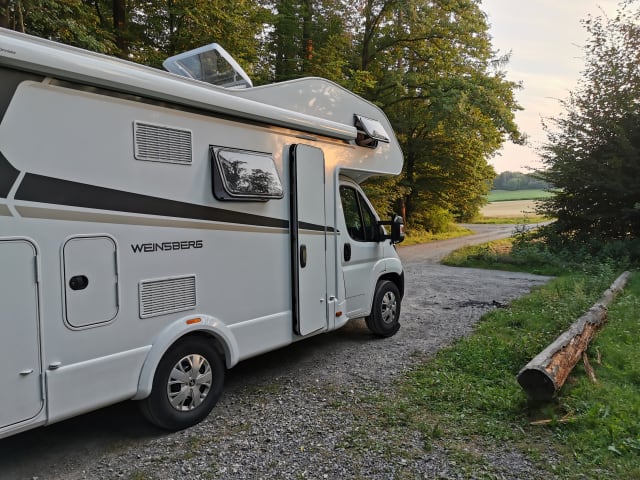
537	384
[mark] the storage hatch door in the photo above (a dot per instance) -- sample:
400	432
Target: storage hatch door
90	280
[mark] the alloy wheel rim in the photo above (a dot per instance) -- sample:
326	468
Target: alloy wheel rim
389	306
189	382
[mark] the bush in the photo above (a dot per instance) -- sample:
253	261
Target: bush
547	246
435	220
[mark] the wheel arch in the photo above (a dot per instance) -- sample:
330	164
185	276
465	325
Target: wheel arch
203	326
397	278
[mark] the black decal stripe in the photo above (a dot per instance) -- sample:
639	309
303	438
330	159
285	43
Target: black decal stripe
8	175
314	227
38	188
10	79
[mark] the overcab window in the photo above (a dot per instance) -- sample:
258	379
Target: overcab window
244	175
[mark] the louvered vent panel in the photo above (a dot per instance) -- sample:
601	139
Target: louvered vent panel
163	296
162	144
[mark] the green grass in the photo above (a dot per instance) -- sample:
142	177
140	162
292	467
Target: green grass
606	430
469	390
499	255
507	195
467	401
415	236
523	220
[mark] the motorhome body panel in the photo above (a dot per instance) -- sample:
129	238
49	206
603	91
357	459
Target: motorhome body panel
114	194
79	180
20	338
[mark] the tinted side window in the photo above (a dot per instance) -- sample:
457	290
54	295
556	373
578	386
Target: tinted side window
244	175
369	220
352	213
360	220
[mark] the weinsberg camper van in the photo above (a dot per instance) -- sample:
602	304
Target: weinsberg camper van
157	228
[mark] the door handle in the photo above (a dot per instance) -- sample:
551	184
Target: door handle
303	256
24	373
79	282
347	252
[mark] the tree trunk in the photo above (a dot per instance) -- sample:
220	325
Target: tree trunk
19	18
307	35
543	376
4	14
119	26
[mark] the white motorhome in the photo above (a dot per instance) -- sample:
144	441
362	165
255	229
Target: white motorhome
156	229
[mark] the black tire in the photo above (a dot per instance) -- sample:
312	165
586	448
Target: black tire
186	386
385	310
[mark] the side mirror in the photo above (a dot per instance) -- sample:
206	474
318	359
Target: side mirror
397	229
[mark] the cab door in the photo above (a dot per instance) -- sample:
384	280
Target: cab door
362	254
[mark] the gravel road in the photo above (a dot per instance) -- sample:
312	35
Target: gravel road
290	414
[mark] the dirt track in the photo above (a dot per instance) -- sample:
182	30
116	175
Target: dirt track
277	402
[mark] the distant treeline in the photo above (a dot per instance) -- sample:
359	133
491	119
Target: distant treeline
518	181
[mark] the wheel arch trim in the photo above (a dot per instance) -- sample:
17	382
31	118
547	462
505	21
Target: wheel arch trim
394	273
176	331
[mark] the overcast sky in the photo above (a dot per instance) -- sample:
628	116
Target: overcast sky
545	39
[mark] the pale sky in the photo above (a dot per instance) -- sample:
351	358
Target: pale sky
545	38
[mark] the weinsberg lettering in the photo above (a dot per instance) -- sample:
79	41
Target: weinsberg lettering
166	246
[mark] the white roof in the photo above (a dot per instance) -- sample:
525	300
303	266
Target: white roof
312	105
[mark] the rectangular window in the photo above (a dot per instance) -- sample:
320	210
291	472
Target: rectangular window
244	175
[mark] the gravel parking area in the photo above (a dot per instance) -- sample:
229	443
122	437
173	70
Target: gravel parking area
294	413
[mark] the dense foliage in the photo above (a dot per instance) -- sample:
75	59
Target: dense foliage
593	150
518	181
428	64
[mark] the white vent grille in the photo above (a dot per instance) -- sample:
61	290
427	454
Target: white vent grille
167	295
156	143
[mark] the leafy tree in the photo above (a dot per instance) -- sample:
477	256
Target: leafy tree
308	37
593	153
73	22
162	28
442	88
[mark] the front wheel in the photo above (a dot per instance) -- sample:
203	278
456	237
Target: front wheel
385	310
186	385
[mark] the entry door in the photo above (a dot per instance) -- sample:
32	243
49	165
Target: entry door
20	395
308	242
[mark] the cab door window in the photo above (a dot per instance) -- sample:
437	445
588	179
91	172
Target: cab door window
361	221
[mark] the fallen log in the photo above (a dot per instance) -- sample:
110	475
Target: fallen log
543	376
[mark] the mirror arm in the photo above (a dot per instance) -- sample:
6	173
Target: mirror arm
396	223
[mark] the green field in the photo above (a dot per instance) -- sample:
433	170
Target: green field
508	195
